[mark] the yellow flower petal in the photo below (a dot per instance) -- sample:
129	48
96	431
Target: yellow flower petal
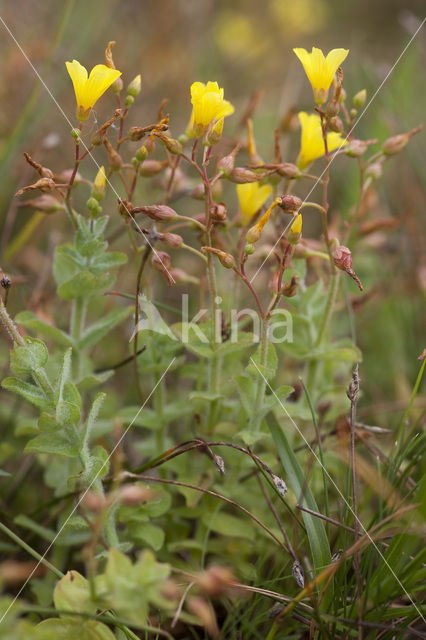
251	197
312	143
78	75
88	90
321	70
208	105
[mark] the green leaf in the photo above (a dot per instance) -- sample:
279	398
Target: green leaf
314	526
94	380
24	359
72	593
85	285
147	532
30	321
342	350
244	341
28	391
66	264
99	329
59	443
107	261
228	525
267	370
64	375
97	466
67	413
194	338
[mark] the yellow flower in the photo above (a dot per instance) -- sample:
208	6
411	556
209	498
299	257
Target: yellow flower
296	227
88	90
208	106
99	185
312	143
251	197
320	69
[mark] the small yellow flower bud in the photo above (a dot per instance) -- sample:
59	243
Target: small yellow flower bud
295	232
141	154
253	235
99	185
249	249
134	87
360	98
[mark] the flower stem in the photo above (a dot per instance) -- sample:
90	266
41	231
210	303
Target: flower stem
256	419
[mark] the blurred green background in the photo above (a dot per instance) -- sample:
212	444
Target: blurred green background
245	45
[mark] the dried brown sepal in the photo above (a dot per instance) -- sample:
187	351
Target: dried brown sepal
99	136
44	184
159	212
46	202
137	133
395	144
125	207
115	161
422	356
171	144
162	262
44	172
224	258
290	288
342	258
240	175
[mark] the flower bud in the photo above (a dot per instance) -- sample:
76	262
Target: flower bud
295	232
198	192
342	95
94	501
332	108
46	202
134	494
218	212
162	262
99	185
93	205
353	113
290	204
249	249
253	234
395	144
342	258
134	88
141	154
360	98
224	258
356	148
76	133
239	175
159	212
226	164
114	159
335	124
152	167
374	171
172	145
289	170
173	240
129	101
